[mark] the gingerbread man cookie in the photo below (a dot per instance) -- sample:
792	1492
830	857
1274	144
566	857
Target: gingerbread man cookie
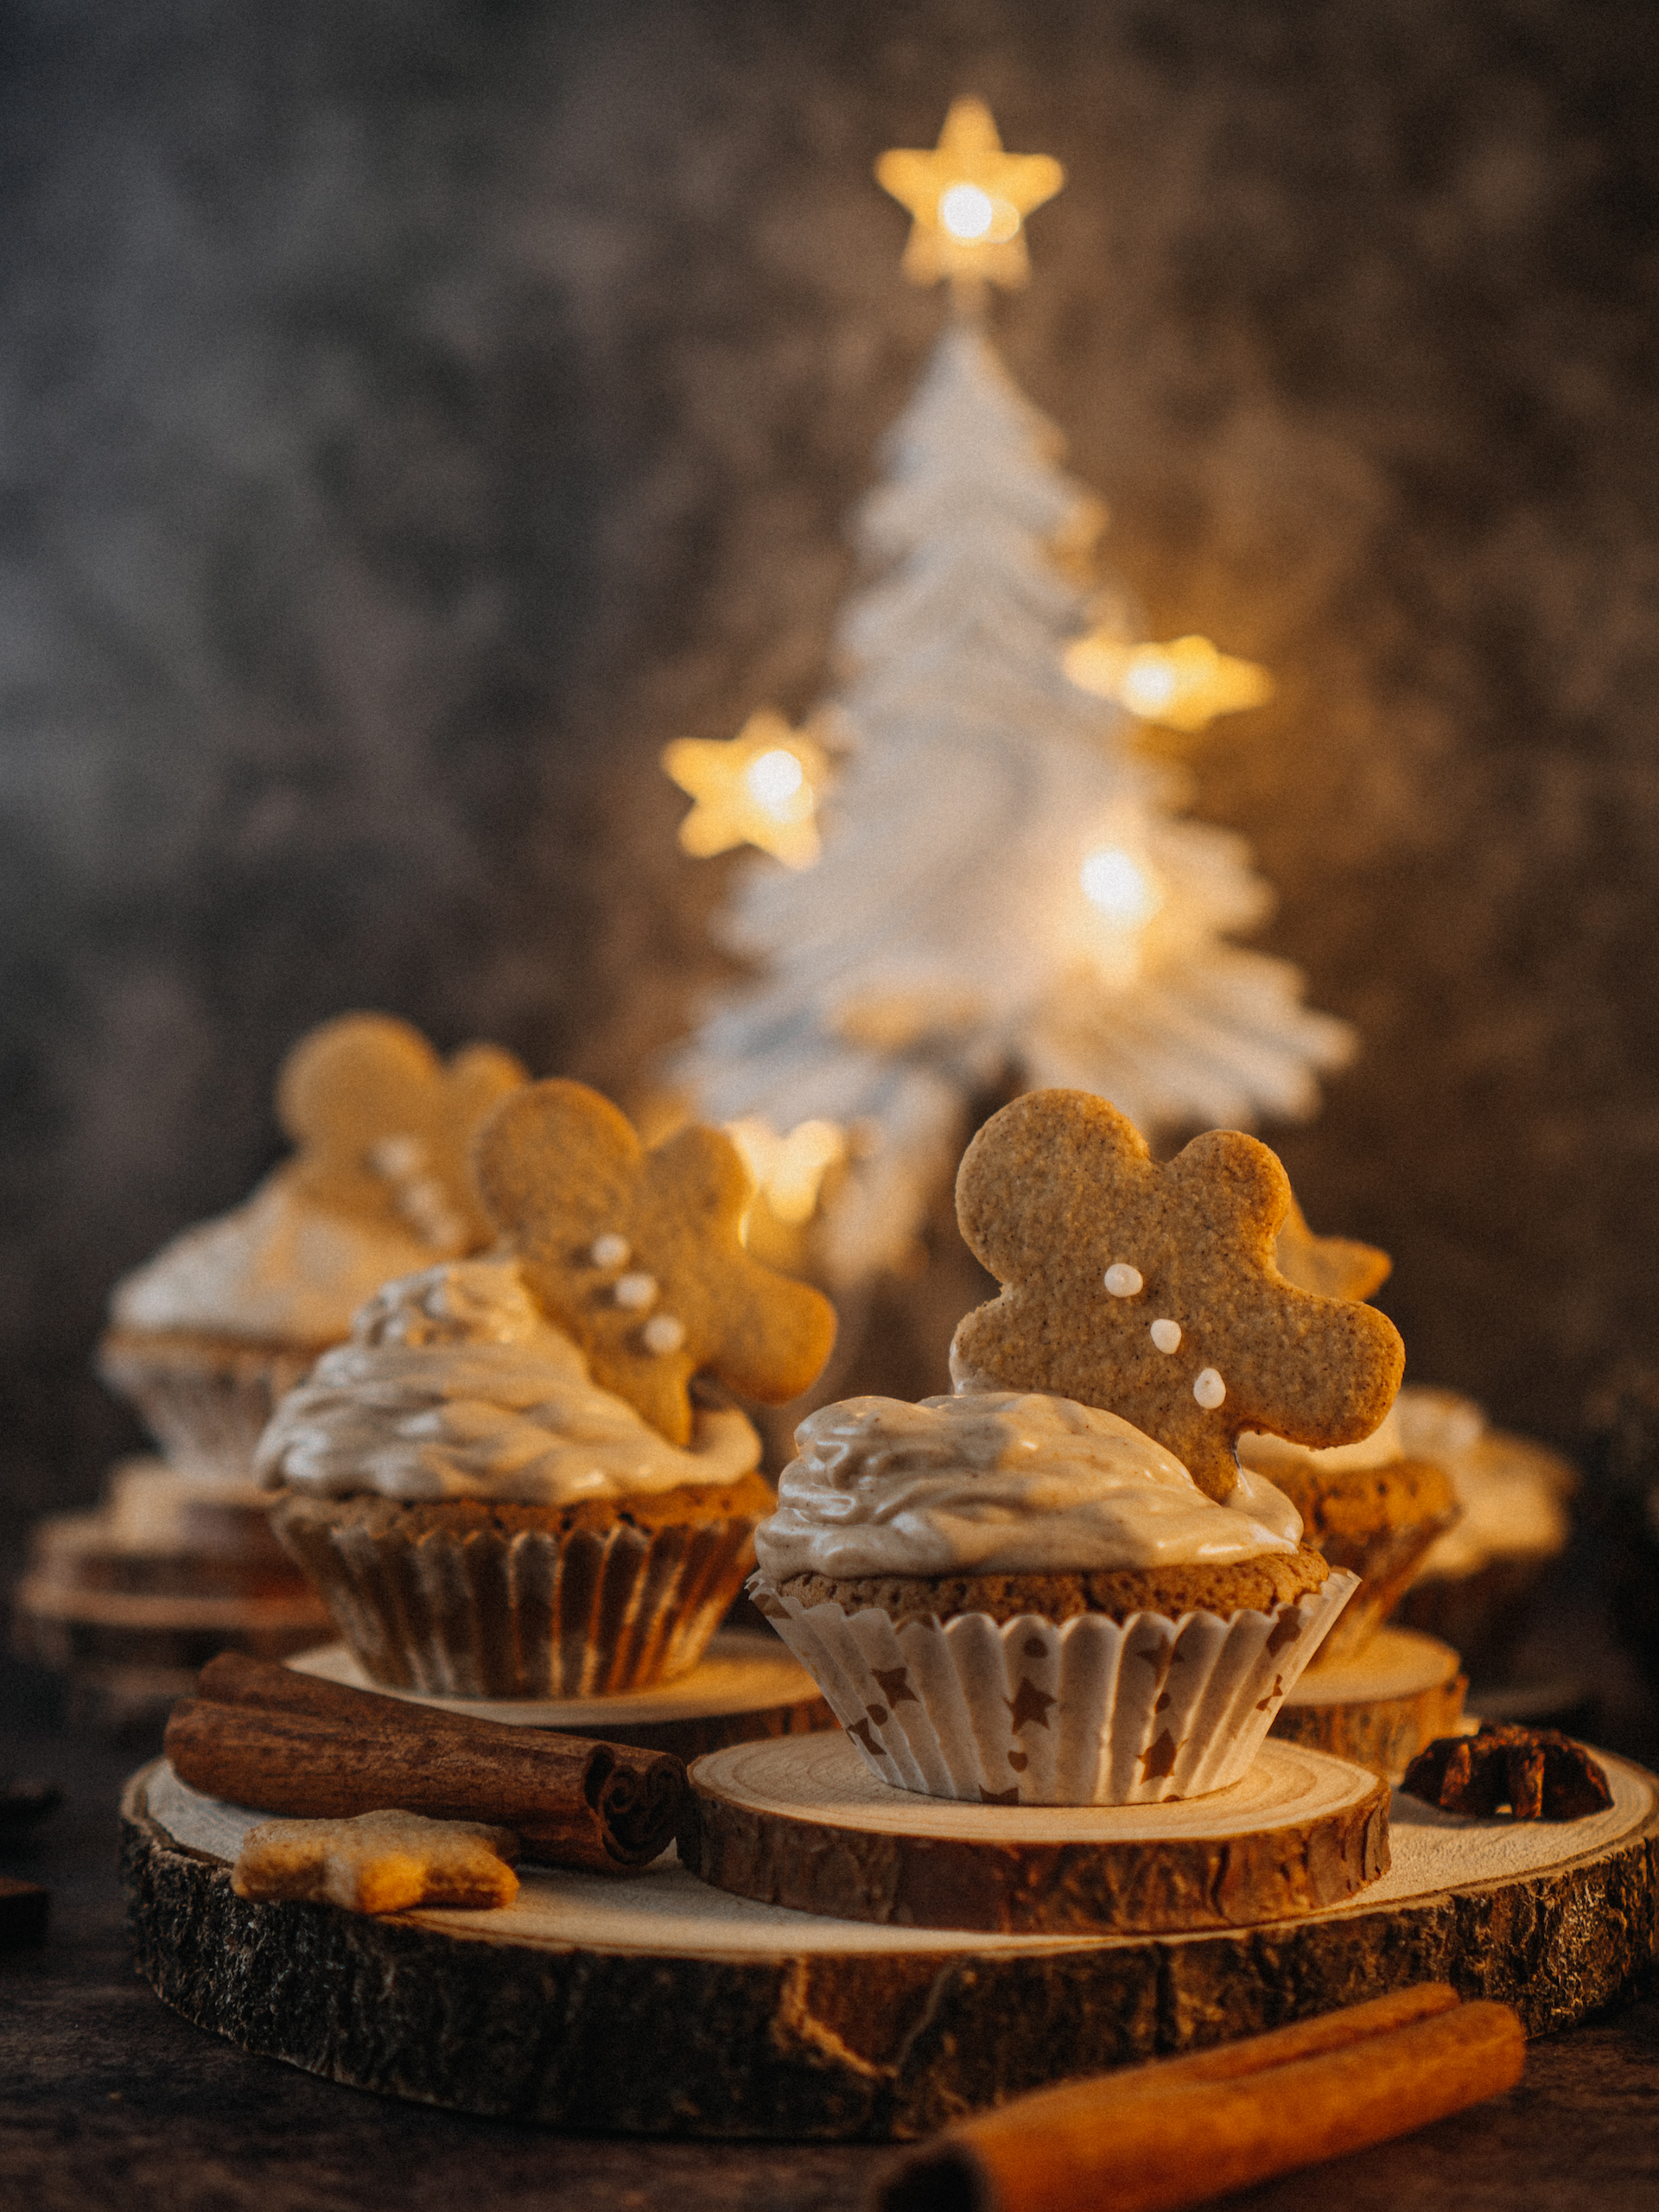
1151	1292
635	1255
386	1129
1335	1267
377	1862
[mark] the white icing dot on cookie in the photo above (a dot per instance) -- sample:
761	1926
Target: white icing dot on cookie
635	1292
1166	1335
1121	1280
396	1158
1209	1389
609	1250
664	1332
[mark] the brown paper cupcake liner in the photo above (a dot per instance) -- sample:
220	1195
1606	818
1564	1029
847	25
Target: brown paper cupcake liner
532	1613
1384	1563
206	1404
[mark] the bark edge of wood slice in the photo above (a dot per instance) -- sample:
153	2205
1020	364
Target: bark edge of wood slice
616	2019
803	1822
1381	1707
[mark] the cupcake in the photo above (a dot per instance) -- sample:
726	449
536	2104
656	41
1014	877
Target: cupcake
1368	1508
1474	1583
501	1487
1013	1598
206	1338
1057	1586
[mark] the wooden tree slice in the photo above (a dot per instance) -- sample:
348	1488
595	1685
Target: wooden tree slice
747	1689
806	1824
67	1627
1381	1707
656	2005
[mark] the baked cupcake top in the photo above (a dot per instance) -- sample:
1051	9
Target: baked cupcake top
379	1185
1001	1483
455	1385
1513	1492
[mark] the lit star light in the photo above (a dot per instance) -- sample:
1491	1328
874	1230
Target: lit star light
1184	684
969	201
758	788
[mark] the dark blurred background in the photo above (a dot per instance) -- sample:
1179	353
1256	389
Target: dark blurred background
415	413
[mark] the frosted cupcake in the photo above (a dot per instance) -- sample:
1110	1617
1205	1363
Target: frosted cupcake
1474	1583
1376	1507
205	1338
1367	1508
501	1487
1014	1598
1058	1586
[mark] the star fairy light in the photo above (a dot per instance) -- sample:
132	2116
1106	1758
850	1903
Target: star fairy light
968	200
1184	684
758	788
788	1171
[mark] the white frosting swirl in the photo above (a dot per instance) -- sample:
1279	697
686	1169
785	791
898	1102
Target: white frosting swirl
1380	1449
455	1385
1001	1483
275	1270
1512	1490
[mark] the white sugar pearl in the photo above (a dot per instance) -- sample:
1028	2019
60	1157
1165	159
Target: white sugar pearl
609	1250
1209	1389
635	1292
664	1332
397	1157
1123	1281
1166	1335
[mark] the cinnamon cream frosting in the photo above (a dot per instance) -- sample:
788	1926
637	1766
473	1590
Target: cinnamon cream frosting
455	1385
275	1270
1001	1483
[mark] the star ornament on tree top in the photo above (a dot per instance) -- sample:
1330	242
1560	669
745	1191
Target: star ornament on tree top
758	788
968	200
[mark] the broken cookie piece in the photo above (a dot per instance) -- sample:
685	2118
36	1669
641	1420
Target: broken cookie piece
377	1862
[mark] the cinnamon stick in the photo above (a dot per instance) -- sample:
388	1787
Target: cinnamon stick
262	1735
1157	2138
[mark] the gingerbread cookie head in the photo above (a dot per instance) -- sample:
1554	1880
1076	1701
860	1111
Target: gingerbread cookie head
384	1128
1151	1293
1335	1267
635	1255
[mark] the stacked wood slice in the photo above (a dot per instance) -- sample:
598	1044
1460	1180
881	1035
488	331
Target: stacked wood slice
1380	1706
132	1600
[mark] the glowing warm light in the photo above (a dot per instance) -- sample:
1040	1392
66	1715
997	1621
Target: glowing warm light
1116	884
968	200
788	1171
966	211
758	788
776	781
1184	684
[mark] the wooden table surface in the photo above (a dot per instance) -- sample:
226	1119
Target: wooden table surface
108	2099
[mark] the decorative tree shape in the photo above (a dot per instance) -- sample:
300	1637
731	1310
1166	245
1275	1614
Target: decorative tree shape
1005	895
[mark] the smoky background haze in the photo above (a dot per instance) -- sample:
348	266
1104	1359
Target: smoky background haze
413	414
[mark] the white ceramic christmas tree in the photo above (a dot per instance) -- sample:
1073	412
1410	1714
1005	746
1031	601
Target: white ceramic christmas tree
1004	891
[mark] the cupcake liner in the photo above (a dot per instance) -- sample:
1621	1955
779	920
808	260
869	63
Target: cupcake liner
1088	1712
205	1405
1382	1564
532	1614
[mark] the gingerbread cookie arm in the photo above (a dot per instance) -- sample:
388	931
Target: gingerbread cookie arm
763	1334
1335	1267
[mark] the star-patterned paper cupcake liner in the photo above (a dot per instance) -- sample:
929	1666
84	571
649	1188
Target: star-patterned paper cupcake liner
1088	1711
